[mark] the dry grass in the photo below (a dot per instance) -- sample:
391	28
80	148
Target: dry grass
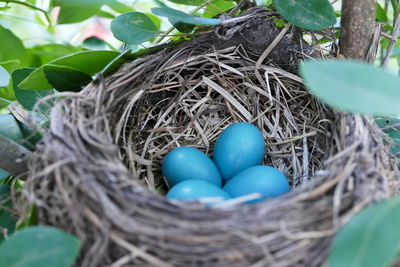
96	170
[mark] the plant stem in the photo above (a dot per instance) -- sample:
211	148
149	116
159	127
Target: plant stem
393	40
173	27
30	6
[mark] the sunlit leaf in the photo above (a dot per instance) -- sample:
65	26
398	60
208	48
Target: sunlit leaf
72	11
27	98
217	8
11	47
48	52
88	62
118	6
381	15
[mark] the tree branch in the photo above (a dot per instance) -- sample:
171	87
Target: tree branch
30	6
393	40
358	23
13	157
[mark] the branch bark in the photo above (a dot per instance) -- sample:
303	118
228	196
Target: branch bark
13	157
357	28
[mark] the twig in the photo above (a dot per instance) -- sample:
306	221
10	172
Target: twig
13	156
388	36
393	40
30	6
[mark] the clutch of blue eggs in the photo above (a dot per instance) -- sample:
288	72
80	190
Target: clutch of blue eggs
234	172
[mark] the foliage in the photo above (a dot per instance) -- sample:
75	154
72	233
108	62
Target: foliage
39	246
4	77
370	239
353	87
133	28
391	126
73	67
7	221
310	14
29	72
178	16
27	98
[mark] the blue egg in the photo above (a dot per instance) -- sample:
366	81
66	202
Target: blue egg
266	180
191	190
239	147
184	163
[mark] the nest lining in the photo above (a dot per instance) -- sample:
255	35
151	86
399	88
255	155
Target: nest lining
191	103
84	183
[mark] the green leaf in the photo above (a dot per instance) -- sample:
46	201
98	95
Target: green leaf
217	7
182	27
353	86
39	246
133	28
392	131
10	65
4	175
118	6
9	127
7	220
27	98
88	62
4	77
370	239
307	14
188	2
179	16
94	43
12	129
381	15
12	55
8	92
73	11
157	21
11	47
65	78
105	14
48	52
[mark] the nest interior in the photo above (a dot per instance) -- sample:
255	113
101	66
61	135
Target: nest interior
96	173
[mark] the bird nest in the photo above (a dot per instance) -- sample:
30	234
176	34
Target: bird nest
96	173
